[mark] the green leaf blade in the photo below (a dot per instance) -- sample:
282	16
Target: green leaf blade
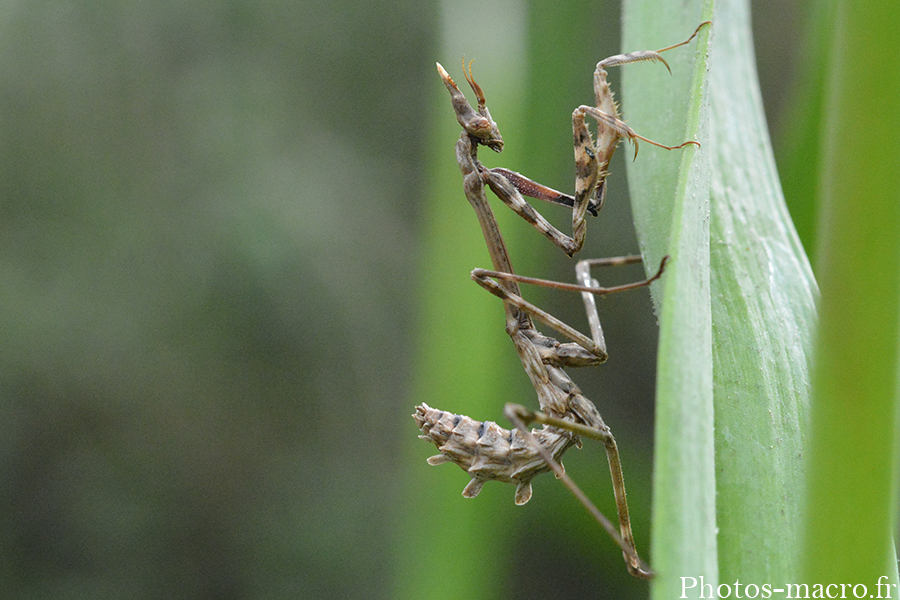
670	198
760	296
764	314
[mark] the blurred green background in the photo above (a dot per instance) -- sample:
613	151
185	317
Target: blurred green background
223	290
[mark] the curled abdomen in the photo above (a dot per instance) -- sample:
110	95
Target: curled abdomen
487	451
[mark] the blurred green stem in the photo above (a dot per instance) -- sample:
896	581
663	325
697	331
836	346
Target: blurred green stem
851	494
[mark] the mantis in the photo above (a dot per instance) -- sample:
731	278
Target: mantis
483	449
